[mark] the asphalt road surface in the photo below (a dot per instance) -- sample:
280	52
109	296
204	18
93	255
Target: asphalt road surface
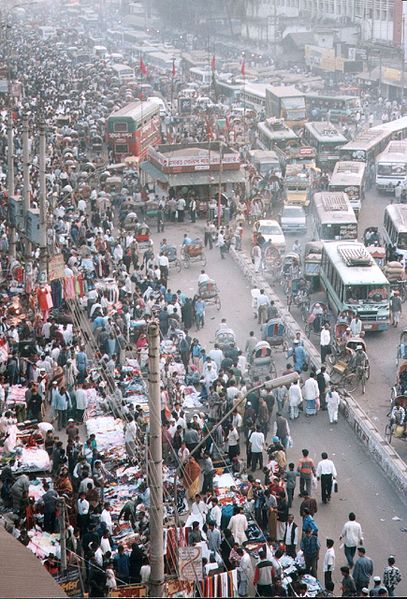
362	486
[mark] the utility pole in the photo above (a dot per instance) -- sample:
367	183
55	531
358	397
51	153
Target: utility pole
155	478
62	533
10	179
26	181
43	196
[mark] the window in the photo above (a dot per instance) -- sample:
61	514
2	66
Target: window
121	149
120	127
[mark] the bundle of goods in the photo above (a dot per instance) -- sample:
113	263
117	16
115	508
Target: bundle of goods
394	271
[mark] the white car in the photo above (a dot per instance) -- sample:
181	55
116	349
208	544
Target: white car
293	219
271	231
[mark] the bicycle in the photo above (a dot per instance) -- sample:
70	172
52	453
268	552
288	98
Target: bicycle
357	378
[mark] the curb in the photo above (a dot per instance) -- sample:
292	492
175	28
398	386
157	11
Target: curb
382	453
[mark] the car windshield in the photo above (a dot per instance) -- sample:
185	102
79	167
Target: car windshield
269	230
293	213
402	241
366	294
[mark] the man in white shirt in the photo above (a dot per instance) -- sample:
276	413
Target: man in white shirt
257	442
238	525
352	536
215	512
263	303
203	278
216	354
325	342
130	436
326	472
199	507
107	518
83	512
329	561
294	399
310	393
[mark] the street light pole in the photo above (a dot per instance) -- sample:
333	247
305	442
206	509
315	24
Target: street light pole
10	180
26	181
42	200
155	478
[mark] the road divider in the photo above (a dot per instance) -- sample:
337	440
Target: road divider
381	451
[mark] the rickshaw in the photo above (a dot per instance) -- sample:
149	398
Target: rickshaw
317	316
131	222
225	338
338	344
344	374
208	291
290	269
172	255
402	348
312	263
143	235
194	252
400	387
262	363
378	254
395	427
371	236
113	184
298	293
272	261
256	210
275	334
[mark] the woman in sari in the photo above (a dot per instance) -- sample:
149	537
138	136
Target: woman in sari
192	477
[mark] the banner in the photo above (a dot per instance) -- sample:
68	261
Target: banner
56	267
131	590
190	563
70	583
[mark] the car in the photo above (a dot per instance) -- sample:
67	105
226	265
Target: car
293	219
271	231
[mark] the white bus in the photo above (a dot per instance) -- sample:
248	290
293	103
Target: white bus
327	140
353	281
395	227
123	72
391	166
350	178
334	218
253	96
366	146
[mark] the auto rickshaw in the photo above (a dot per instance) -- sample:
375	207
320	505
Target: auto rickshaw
113	184
274	333
262	363
312	263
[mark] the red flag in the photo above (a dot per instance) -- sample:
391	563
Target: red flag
243	68
213	63
143	68
174	70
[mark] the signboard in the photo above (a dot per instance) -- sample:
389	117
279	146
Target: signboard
190	563
130	590
179	588
56	268
70	583
391	74
231	159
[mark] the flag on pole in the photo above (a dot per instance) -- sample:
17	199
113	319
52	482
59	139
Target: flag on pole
243	68
174	70
143	68
213	63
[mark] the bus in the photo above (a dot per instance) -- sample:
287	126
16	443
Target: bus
333	108
123	72
253	95
395	228
350	177
265	162
327	140
397	129
133	128
286	102
366	146
274	132
391	166
353	281
333	216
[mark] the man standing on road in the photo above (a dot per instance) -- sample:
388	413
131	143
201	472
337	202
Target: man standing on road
306	468
362	571
257	442
310	547
391	576
263	304
329	562
356	326
326	472
352	536
325	342
263	575
395	306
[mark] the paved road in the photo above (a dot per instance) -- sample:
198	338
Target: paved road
362	486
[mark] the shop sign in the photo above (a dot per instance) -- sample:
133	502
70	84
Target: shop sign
130	590
70	583
190	563
56	267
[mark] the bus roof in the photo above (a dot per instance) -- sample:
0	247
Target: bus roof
392	126
285	91
333	207
325	131
354	264
326	97
255	89
367	139
348	173
398	215
395	151
279	133
135	110
122	67
263	155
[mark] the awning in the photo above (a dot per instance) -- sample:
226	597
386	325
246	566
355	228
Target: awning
206	178
154	172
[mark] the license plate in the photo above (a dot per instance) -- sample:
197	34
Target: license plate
368	327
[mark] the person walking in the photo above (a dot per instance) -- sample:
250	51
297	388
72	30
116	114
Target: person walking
294	399
290	537
263	304
310	393
333	401
291	481
329	562
396	309
391	576
348	584
257	443
362	570
325	342
306	469
326	472
263	575
352	536
310	546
